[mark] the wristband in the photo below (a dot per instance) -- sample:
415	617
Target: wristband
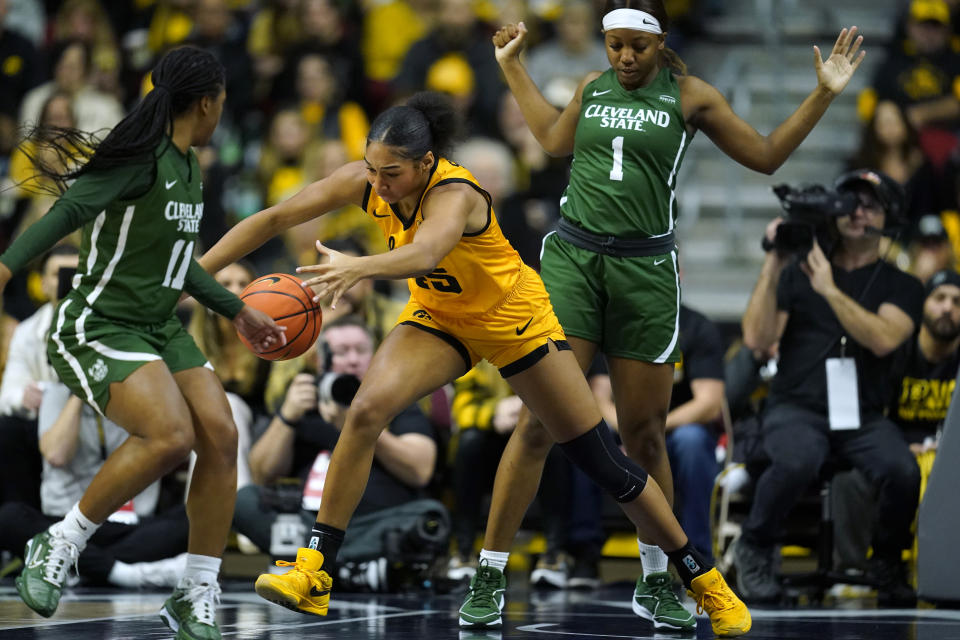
290	423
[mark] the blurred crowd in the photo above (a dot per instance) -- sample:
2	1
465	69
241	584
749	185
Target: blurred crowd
304	79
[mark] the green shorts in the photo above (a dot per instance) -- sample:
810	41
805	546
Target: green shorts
628	306
89	352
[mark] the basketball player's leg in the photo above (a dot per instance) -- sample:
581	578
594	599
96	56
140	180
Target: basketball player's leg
642	391
521	467
555	390
213	488
136	391
410	363
149	406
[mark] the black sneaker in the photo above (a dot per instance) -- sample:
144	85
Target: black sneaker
893	590
756	580
585	573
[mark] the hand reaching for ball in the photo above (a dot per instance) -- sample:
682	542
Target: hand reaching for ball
259	329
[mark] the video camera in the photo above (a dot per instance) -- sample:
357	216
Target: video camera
808	212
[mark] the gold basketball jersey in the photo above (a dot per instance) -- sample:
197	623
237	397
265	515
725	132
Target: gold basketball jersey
480	270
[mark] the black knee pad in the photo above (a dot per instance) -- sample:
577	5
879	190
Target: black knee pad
596	453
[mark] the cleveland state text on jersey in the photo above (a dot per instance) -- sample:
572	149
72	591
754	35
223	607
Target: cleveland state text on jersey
626	118
186	214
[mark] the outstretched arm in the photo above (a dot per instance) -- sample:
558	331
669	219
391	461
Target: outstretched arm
446	211
706	109
342	187
553	129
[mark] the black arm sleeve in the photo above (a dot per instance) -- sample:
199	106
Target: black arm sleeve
81	203
208	292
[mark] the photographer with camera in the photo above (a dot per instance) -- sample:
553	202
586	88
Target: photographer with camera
838	316
394	524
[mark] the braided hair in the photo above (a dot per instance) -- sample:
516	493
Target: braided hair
181	77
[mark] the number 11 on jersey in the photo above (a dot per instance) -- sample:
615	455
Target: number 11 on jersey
617	172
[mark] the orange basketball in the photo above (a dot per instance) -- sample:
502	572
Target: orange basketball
291	305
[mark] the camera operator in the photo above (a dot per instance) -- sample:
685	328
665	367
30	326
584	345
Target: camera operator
298	443
838	319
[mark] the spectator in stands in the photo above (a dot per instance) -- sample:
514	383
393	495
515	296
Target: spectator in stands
924	377
305	430
486	412
21	390
134	548
325	29
324	109
838	317
389	30
86	21
37	192
457	33
558	64
95	111
921	75
274	28
930	249
20	73
216	30
891	144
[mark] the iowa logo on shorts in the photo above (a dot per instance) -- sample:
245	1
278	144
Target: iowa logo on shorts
423	315
98	370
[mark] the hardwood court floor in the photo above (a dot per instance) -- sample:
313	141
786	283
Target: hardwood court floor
87	614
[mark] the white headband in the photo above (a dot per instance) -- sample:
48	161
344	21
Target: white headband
631	19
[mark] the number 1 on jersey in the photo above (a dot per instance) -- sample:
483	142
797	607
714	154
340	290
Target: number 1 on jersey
617	172
182	253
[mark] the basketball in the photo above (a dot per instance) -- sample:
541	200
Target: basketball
291	305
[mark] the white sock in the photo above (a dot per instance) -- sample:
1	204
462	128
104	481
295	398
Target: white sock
124	575
75	527
202	569
496	559
653	558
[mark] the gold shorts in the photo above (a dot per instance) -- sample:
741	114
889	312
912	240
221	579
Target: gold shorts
512	336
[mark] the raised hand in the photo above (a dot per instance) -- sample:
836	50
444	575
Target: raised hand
508	41
834	73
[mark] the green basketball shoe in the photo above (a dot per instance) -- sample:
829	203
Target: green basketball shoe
655	600
47	559
484	602
190	610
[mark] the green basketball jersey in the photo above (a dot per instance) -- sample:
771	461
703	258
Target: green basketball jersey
627	151
135	254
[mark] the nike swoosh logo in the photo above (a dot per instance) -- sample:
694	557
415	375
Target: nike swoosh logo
600	93
378	215
652	24
660	261
81	526
170	184
521	330
316	593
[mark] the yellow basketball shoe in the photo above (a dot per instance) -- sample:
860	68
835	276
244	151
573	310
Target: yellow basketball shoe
305	588
728	615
